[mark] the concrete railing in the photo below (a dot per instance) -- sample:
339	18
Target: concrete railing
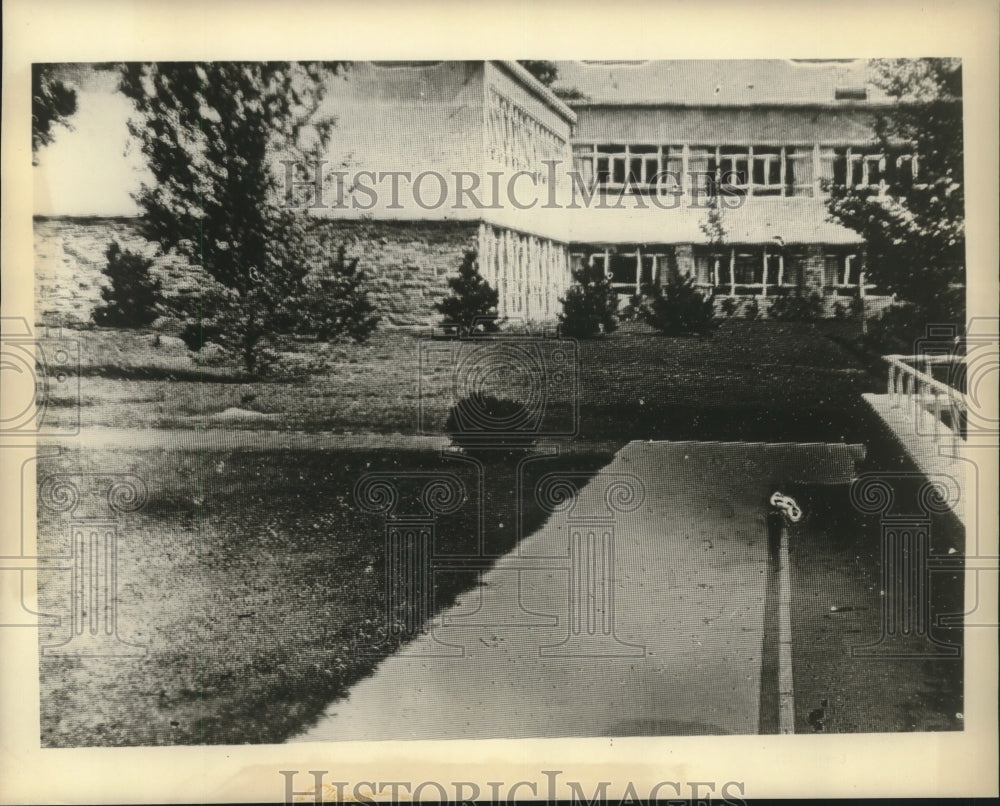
927	401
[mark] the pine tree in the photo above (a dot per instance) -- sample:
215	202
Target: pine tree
133	298
211	133
590	306
339	302
472	304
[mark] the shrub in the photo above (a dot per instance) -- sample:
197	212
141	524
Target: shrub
490	422
338	303
633	311
806	308
729	306
133	299
472	304
590	306
751	310
898	327
679	308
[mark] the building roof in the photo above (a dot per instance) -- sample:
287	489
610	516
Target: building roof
716	82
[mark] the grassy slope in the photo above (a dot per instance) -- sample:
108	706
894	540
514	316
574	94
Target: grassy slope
751	380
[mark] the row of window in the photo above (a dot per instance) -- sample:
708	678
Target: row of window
518	141
737	270
754	170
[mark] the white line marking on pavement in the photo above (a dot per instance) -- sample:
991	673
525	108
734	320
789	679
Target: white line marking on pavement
786	689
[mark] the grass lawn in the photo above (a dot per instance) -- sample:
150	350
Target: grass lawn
749	380
258	586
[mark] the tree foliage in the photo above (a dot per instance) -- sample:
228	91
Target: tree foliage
52	103
132	300
472	304
590	306
338	301
915	239
545	71
212	134
679	308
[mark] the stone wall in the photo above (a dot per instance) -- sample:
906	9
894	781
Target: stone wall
69	257
407	264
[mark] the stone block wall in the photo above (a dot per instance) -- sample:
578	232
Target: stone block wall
407	264
70	256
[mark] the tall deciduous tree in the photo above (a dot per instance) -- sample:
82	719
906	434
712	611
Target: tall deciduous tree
53	101
916	237
212	133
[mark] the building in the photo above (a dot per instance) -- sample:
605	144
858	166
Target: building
764	134
429	159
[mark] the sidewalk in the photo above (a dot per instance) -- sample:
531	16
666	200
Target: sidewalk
191	439
689	588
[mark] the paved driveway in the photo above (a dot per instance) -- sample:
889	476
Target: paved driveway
621	616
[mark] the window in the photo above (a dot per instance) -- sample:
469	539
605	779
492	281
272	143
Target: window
634	168
628	268
759	170
765	174
621	271
844	271
746	270
873	170
799	175
900	172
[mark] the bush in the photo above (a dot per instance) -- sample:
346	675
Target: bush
899	327
679	308
751	310
133	299
338	303
633	311
729	306
590	306
807	308
472	305
490	422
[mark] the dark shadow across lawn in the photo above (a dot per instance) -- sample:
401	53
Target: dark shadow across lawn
259	587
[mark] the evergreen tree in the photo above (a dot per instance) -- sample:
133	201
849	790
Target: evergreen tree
679	308
339	302
133	298
472	304
590	306
212	133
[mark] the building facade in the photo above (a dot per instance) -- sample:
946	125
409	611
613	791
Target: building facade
759	141
430	159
